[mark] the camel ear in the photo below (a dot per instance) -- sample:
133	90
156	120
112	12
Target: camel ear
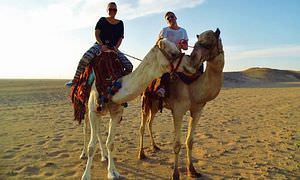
217	33
197	36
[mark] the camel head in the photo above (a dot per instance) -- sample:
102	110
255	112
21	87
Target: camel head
207	47
171	57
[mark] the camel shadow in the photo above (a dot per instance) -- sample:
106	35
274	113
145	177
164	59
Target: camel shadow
144	174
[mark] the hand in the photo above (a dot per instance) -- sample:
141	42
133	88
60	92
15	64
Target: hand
183	44
185	47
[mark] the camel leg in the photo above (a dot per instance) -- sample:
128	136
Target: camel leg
155	148
103	150
94	124
177	118
85	137
116	112
141	154
195	116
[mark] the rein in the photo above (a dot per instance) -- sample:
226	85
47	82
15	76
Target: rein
212	54
172	59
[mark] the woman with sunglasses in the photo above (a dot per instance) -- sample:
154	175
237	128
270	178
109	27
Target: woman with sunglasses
177	35
109	33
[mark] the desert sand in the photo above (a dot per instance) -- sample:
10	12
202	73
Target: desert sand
251	133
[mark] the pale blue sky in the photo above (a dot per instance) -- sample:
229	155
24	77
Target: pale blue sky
46	38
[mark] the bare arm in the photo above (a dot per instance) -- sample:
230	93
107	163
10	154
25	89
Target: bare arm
119	43
97	36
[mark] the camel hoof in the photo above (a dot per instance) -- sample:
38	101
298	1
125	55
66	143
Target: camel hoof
155	148
104	159
86	176
194	174
191	172
113	175
142	155
83	156
175	175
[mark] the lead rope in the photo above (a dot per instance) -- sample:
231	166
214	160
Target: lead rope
142	60
132	57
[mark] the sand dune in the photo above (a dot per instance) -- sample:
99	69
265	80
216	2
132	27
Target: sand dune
262	77
244	133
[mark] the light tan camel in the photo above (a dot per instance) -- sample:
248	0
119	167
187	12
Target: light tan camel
158	61
191	97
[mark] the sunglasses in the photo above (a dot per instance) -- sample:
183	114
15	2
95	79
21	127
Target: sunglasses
170	17
112	9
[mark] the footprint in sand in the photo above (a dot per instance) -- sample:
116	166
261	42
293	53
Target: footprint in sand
31	170
41	142
72	141
56	153
28	145
64	155
50	165
11	173
71	173
48	174
8	156
56	139
10	151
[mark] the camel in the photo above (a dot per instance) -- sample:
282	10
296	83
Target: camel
192	97
160	59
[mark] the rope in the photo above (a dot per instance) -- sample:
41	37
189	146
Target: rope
140	59
132	57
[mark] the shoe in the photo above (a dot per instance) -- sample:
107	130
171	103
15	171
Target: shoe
69	84
161	92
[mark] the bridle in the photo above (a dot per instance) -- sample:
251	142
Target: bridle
170	58
210	47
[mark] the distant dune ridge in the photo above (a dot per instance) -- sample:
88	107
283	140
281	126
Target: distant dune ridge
256	77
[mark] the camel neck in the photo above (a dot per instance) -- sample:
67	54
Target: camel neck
216	65
136	82
212	78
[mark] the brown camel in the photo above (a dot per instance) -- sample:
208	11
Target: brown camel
192	97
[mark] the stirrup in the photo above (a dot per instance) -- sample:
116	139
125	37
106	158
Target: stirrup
69	84
161	92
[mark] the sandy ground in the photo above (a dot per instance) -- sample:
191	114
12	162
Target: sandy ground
244	133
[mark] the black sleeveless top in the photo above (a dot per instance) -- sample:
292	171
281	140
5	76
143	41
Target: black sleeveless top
110	33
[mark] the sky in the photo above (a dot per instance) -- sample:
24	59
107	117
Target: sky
47	38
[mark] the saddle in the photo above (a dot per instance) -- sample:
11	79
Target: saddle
106	68
150	92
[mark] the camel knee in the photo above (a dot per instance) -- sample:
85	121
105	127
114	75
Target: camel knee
189	143
91	151
110	146
142	129
177	147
